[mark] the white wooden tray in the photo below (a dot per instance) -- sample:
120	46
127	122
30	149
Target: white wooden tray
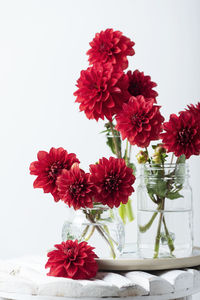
150	264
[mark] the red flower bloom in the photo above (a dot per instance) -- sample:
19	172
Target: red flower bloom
49	166
113	181
72	260
111	46
195	109
182	134
75	188
140	121
139	84
102	90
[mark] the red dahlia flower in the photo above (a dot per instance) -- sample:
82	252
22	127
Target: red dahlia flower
195	109
75	188
182	134
139	84
113	181
140	121
111	46
49	166
102	90
72	260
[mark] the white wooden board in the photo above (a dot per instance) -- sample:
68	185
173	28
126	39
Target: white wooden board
26	279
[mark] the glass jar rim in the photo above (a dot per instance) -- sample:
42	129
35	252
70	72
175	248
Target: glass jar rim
165	165
169	169
97	206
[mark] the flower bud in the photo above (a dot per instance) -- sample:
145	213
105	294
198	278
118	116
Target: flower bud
156	158
142	157
158	155
160	149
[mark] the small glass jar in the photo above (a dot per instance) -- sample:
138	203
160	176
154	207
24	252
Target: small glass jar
164	211
100	226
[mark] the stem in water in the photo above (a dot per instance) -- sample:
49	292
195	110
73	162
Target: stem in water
98	228
118	152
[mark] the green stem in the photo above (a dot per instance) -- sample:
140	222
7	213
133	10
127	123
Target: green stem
148	225
126	153
172	158
85	231
169	239
149	160
98	228
129	211
117	150
157	241
108	233
122	212
160	209
130	148
125	210
147	154
108	242
105	230
90	234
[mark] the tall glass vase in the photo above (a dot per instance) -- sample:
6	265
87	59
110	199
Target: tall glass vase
164	211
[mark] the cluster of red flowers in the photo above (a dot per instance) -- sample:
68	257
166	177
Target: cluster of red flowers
106	91
49	166
109	182
104	87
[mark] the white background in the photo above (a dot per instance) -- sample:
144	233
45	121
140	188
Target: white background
42	50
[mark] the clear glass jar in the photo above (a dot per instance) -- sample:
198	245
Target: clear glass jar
100	226
164	211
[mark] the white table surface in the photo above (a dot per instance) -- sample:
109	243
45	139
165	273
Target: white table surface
25	279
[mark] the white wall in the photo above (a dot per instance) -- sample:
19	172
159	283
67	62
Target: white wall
42	50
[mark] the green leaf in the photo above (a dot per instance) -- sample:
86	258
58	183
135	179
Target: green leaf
180	170
133	167
154	147
148	225
151	193
118	139
173	195
129	211
122	212
110	144
157	189
104	131
163	157
181	159
126	212
109	138
160	188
